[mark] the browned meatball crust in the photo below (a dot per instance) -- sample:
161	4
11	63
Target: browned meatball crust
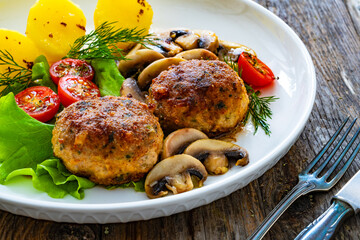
201	94
111	140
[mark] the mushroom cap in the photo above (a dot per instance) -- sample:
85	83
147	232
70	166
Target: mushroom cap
173	41
232	50
130	89
154	69
134	49
164	44
201	149
201	54
174	173
178	140
136	60
188	40
207	40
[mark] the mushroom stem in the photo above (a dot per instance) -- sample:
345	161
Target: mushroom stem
174	174
215	154
177	141
180	183
216	163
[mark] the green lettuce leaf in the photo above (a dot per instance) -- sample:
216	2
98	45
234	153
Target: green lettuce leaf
52	177
138	186
26	149
107	77
41	75
24	141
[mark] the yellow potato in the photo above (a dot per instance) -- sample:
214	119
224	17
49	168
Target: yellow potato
54	25
126	14
21	48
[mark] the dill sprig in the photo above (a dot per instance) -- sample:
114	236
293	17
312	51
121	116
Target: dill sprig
259	107
16	77
232	64
101	42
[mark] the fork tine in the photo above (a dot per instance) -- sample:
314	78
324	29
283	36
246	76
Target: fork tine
330	171
324	149
346	166
323	165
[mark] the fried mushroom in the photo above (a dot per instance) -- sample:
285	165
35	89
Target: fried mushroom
207	40
130	89
179	173
200	54
137	60
164	44
177	141
231	51
215	154
154	69
171	42
195	39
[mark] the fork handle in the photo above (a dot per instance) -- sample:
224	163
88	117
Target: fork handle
325	226
300	189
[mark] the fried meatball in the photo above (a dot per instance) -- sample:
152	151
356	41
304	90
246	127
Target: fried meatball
110	140
201	94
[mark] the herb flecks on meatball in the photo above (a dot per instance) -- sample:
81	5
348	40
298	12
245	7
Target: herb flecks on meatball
202	94
111	140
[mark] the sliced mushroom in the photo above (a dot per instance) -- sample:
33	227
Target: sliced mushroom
164	44
201	54
195	39
134	49
232	50
207	40
154	69
215	154
130	89
177	141
137	60
175	174
167	49
188	40
174	41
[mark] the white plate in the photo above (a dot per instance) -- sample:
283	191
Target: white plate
239	21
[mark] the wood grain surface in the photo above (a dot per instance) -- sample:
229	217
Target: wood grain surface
330	31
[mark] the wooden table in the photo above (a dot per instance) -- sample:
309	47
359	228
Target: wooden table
330	30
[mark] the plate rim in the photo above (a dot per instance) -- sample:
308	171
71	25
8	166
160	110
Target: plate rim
279	151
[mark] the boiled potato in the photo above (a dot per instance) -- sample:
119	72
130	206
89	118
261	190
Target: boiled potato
126	14
21	48
54	25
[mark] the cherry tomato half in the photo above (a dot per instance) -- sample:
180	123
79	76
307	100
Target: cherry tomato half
253	71
39	102
72	67
72	89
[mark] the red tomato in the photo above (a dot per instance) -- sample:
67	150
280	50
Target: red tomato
72	89
39	102
253	71
71	67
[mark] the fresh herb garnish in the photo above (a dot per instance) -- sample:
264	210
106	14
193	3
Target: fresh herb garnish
102	42
259	107
16	77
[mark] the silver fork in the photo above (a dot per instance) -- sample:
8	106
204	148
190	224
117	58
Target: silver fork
309	182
